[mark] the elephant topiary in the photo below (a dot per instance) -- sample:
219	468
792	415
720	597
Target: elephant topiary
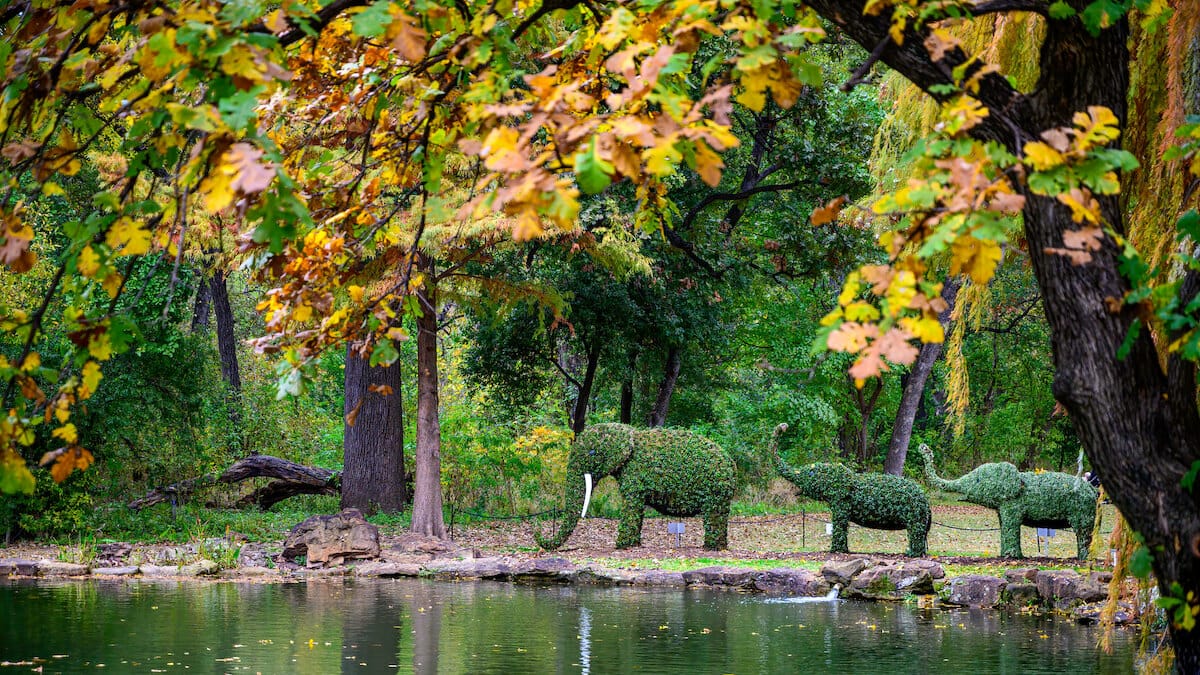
675	471
1047	499
878	501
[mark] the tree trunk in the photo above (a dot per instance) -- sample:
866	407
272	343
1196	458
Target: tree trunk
427	500
626	415
662	402
914	389
226	340
1138	424
200	310
579	414
373	441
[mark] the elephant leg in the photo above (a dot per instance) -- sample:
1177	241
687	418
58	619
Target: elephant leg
918	537
716	528
1084	529
840	542
629	530
1010	532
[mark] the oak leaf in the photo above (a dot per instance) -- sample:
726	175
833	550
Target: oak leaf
249	174
827	213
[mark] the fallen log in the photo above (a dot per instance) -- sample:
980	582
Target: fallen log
292	479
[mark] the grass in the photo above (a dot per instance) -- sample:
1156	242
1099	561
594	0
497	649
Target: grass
685	564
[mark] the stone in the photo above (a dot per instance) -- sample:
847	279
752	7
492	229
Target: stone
387	570
935	569
1090	613
13	567
545	569
843	571
596	575
789	581
200	568
421	544
159	570
120	571
113	554
975	590
1063	589
1020	576
739	578
659	579
254	555
332	539
250	572
889	582
321	572
474	568
53	568
1021	594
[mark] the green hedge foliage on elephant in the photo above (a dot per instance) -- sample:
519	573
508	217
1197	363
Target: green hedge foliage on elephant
878	501
675	471
1033	499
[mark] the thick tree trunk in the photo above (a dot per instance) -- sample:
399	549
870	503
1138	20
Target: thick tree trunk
427	500
666	388
293	479
200	310
914	390
1138	424
579	413
226	340
373	441
626	414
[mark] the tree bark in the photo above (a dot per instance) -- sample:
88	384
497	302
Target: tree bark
373	440
914	389
292	478
666	388
427	498
200	310
1139	425
580	411
226	340
626	414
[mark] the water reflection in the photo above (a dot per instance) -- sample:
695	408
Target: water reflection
422	627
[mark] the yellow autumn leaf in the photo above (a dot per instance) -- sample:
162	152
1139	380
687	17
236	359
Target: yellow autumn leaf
67	432
32	362
925	329
662	158
708	164
112	283
1042	157
901	291
976	258
217	188
356	292
128	237
861	311
849	289
754	87
88	263
100	347
51	189
91	377
302	313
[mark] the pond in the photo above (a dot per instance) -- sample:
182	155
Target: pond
416	625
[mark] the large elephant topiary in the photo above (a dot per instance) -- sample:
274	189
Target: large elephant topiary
1033	499
675	471
878	501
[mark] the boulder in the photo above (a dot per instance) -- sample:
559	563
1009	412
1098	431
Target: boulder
250	572
387	570
119	571
333	539
659	578
1021	576
935	569
789	581
159	570
544	569
843	571
473	568
254	555
596	575
738	578
113	555
975	590
890	582
53	568
321	572
18	568
1021	594
1063	589
200	568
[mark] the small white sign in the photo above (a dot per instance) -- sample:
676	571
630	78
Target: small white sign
829	528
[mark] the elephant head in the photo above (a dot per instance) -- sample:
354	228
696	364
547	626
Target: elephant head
989	485
599	451
821	481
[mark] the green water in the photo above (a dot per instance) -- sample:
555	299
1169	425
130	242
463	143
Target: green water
423	626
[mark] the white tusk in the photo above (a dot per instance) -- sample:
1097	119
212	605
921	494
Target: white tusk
587	493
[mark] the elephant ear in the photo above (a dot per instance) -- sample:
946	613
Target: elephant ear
1009	483
612	446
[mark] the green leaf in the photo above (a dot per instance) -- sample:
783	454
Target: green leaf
591	172
384	353
1189	479
1135	329
1189	225
1061	10
373	20
1140	561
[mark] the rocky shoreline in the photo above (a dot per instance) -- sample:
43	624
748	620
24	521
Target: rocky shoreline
345	545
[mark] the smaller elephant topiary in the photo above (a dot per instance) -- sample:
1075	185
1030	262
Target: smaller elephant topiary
675	471
878	501
1033	499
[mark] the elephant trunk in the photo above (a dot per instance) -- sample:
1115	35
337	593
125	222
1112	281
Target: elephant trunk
784	469
931	473
578	492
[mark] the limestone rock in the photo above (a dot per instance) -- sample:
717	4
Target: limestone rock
544	569
975	590
333	539
740	578
1090	613
890	582
659	578
159	570
200	568
388	570
113	555
596	575
53	568
119	571
254	555
1021	576
1021	594
18	568
843	571
1063	589
935	569
474	568
791	581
